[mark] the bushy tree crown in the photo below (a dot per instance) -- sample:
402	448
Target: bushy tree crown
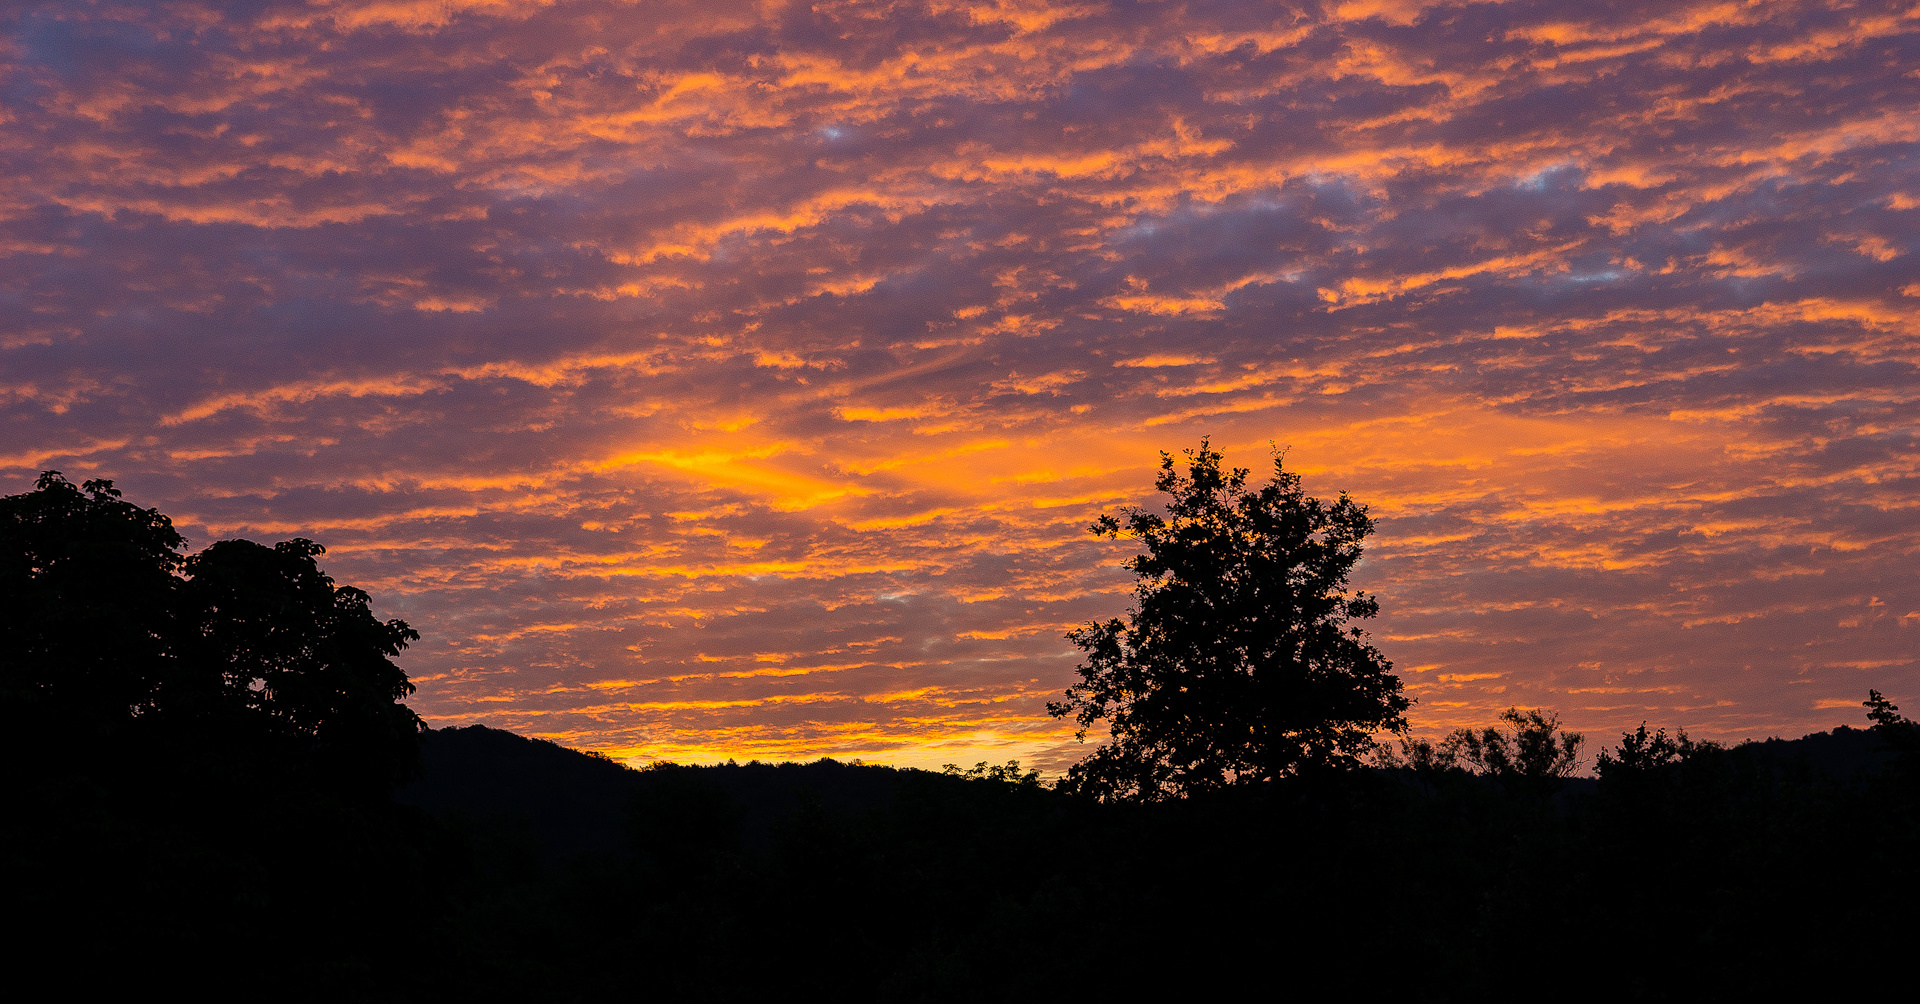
242	659
1240	662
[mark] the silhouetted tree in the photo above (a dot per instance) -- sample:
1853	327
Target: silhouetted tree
1536	748
1899	734
1641	751
1007	773
1422	756
1238	664
299	665
88	586
194	751
1886	717
243	654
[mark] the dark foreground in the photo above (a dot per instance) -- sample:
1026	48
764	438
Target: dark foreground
514	869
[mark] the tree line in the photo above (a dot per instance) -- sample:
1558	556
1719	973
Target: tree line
204	752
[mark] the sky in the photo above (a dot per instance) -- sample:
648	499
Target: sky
711	380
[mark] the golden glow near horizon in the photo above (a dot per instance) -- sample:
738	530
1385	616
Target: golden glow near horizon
738	380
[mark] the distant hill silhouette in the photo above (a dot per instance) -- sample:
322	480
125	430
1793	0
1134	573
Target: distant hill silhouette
1845	754
570	802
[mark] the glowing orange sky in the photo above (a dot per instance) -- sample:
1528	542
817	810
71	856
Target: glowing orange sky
708	380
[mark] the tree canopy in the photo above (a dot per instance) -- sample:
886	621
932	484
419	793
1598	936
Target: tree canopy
242	654
88	582
1240	662
1536	755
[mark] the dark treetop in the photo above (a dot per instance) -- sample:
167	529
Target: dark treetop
1238	664
240	661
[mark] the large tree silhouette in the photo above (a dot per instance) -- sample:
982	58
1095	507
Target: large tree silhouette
89	587
243	660
296	665
1239	663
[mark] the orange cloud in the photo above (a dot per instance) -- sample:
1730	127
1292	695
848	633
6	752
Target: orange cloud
734	380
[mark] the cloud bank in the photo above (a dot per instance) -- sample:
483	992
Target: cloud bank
715	380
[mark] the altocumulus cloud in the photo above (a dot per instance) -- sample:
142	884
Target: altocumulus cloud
713	380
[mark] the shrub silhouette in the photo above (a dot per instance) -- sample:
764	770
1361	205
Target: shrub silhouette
1536	753
1641	752
1536	748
